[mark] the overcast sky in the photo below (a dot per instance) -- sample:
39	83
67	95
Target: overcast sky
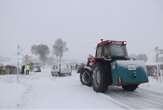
81	23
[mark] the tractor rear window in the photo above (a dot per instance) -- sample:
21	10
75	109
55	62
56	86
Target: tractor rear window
115	51
118	50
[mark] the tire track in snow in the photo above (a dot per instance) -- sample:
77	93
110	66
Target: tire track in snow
153	93
153	99
24	81
124	106
139	99
24	97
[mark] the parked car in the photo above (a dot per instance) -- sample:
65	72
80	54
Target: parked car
36	68
64	71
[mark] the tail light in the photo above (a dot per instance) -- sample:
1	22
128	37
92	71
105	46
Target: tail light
92	61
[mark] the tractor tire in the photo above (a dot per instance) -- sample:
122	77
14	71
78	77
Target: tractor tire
99	79
129	87
85	78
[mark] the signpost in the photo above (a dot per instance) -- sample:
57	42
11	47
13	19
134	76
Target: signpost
158	53
18	64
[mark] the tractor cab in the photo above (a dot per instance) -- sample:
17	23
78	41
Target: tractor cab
112	50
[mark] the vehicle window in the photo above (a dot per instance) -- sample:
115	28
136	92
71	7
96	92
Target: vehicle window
99	52
118	50
107	52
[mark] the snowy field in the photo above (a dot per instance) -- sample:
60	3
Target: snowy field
42	91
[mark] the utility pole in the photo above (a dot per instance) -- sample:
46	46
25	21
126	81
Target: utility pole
18	63
158	53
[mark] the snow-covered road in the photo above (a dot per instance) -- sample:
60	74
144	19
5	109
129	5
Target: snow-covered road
140	99
41	90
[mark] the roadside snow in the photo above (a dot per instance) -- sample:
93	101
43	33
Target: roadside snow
10	92
63	93
154	85
42	91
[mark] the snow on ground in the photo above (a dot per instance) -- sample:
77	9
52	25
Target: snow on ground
154	84
10	92
41	90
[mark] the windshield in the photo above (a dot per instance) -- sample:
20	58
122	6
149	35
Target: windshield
115	51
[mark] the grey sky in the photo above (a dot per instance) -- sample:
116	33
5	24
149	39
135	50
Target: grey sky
81	23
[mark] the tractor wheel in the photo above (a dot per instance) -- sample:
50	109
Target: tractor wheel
129	87
85	78
99	77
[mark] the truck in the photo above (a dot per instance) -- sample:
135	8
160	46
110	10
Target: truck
112	66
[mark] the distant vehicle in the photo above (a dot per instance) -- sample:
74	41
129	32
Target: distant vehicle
65	70
8	69
112	66
36	68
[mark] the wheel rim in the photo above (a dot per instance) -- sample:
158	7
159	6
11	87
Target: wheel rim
85	77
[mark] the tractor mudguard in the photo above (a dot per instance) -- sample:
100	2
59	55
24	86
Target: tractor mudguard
88	68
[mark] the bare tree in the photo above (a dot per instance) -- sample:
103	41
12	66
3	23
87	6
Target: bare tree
27	59
51	60
142	57
133	56
157	53
42	51
59	48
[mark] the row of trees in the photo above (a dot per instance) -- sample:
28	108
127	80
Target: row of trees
58	49
158	55
42	51
142	57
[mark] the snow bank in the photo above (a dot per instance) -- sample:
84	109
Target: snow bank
42	91
65	92
10	92
154	85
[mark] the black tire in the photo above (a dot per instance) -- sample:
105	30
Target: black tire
85	78
129	87
99	79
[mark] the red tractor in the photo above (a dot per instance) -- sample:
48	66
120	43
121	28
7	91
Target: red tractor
112	66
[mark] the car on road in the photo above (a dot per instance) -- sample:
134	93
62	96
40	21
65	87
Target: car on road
64	70
36	68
